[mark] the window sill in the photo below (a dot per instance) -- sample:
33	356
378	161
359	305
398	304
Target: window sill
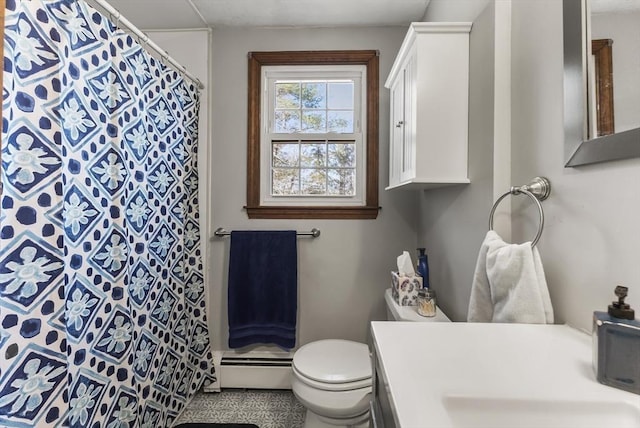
331	213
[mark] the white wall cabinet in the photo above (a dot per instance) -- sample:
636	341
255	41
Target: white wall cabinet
429	85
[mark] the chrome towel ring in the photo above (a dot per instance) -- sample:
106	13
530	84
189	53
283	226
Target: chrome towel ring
538	190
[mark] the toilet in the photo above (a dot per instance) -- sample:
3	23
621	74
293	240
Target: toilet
332	377
332	380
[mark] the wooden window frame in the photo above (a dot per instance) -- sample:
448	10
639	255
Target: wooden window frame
603	60
369	58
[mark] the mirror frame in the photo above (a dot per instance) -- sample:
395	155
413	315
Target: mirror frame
578	148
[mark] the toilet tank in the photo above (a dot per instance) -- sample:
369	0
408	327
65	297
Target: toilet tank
395	312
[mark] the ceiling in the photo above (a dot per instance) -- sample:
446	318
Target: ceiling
170	14
615	6
181	14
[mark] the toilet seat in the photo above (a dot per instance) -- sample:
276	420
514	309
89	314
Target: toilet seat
333	361
347	386
333	365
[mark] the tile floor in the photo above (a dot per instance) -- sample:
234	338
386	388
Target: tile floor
265	408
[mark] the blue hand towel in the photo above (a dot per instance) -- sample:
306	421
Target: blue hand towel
263	288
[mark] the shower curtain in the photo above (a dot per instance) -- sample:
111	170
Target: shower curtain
102	320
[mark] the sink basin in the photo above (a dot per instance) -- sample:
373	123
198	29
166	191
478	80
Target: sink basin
475	375
482	412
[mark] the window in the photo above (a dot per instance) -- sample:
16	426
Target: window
313	135
312	139
601	50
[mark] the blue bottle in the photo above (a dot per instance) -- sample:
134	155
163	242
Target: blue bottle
616	345
423	267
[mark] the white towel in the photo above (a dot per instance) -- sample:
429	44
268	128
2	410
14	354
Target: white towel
509	284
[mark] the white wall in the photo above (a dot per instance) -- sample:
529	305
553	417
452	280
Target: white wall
591	236
342	274
624	30
591	240
452	220
454	10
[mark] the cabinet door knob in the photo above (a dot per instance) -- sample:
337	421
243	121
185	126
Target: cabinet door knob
399	124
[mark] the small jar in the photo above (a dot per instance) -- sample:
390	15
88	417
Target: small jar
427	302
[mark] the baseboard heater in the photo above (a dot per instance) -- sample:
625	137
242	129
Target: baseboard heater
254	370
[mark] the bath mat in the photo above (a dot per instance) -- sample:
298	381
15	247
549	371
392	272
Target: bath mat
215	425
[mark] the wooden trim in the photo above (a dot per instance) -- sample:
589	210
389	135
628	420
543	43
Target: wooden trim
253	133
603	55
331	213
372	130
313	57
370	58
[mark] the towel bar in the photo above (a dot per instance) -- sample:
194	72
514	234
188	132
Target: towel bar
220	232
538	190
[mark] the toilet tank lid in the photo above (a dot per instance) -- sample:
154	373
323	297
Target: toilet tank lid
409	313
333	361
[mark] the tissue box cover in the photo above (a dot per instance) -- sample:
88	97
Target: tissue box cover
404	289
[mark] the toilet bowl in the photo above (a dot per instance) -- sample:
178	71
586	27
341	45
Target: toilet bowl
332	377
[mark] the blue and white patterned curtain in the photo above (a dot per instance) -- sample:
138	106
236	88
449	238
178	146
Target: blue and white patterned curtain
102	319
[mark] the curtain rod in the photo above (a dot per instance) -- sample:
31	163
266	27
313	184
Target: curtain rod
144	39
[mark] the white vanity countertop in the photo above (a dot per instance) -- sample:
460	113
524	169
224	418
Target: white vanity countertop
433	369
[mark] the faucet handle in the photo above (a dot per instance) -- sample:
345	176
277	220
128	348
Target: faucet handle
620	309
621	292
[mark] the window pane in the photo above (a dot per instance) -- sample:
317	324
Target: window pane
313	181
314	121
288	95
340	121
314	95
287	121
285	154
342	155
341	96
285	181
313	155
341	182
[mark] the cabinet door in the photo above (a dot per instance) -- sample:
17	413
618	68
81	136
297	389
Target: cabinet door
408	164
382	414
397	130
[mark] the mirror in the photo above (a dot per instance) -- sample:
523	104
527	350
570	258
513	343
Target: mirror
615	61
581	146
